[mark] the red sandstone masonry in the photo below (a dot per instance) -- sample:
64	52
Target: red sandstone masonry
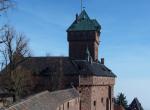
73	104
94	80
97	92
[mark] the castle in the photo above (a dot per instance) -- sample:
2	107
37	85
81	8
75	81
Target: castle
81	69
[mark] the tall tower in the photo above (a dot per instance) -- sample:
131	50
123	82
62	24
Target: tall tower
96	81
82	34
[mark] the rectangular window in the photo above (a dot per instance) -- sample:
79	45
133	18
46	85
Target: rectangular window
107	104
68	105
109	92
80	104
102	100
94	103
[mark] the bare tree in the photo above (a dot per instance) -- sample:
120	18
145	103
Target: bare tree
14	50
2	33
5	4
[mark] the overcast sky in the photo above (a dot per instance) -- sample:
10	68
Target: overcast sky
125	37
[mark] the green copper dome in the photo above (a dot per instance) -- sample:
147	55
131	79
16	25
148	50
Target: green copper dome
84	23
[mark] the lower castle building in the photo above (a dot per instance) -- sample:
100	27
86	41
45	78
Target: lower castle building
59	100
82	69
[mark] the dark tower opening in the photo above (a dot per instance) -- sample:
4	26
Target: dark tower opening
83	33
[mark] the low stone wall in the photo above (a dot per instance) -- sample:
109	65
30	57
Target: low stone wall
73	104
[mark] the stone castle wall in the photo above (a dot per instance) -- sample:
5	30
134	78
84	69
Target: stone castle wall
96	80
80	40
100	98
85	97
73	104
97	93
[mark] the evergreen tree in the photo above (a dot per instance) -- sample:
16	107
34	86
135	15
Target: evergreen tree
121	100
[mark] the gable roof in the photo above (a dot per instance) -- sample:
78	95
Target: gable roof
65	65
46	100
135	105
84	23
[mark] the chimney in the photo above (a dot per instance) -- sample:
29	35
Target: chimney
102	61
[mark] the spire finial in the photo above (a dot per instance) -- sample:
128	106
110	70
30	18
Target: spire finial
81	5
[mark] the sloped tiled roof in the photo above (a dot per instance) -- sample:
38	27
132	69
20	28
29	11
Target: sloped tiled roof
135	105
46	65
93	68
46	100
84	23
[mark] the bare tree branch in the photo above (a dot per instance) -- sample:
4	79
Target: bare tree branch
5	4
14	50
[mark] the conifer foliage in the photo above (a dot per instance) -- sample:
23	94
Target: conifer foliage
121	100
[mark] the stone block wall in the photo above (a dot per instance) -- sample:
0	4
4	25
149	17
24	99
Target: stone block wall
78	42
97	92
73	104
85	97
96	80
100	99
